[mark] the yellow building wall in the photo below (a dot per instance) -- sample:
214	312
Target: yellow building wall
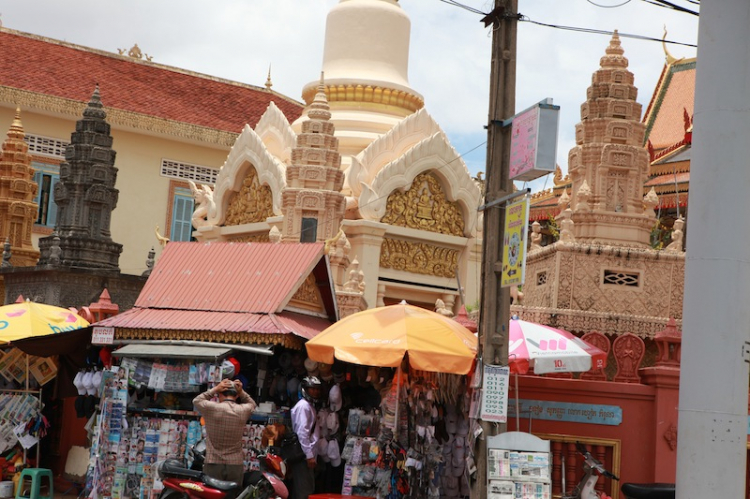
144	199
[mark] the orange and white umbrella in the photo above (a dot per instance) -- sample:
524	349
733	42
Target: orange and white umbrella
383	336
27	319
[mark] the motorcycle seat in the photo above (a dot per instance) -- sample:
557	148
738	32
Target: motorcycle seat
174	467
648	490
219	484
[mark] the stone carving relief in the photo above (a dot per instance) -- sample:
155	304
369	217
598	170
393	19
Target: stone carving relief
676	245
536	236
253	203
204	204
418	258
629	350
424	206
308	292
250	238
389	147
274	130
248	151
650	202
425	156
670	435
602	343
356	281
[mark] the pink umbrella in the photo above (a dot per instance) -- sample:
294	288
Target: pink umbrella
545	349
548	350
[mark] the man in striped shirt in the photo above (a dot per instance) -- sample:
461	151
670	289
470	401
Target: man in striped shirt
225	422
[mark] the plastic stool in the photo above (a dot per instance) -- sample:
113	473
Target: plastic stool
35	475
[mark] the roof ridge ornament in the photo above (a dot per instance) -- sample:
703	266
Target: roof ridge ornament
671	60
135	53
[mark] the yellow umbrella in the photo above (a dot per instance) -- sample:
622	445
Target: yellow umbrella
26	319
382	336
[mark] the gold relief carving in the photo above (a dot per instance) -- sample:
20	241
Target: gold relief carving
419	258
253	203
308	292
241	337
424	206
251	238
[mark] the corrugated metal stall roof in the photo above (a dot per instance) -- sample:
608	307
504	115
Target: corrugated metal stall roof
228	277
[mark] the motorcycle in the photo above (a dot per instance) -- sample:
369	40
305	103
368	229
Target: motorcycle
593	469
187	481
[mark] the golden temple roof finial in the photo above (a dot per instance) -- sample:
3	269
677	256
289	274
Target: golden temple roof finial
269	83
669	57
17	118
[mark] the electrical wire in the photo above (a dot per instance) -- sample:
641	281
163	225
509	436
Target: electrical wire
608	6
669	5
523	18
465	7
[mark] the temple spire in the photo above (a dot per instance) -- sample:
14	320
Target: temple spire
609	164
312	201
86	195
17	190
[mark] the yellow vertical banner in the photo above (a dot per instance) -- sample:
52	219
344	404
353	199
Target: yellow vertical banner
514	243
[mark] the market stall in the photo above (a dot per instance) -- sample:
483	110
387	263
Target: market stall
416	443
24	373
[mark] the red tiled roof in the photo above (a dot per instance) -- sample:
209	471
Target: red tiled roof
304	326
674	96
63	70
668	179
229	277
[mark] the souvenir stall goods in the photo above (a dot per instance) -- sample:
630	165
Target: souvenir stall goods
21	378
146	414
408	338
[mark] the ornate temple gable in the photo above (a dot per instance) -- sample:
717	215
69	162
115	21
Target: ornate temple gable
423	206
274	130
252	203
431	154
419	258
17	190
623	282
388	147
248	152
307	297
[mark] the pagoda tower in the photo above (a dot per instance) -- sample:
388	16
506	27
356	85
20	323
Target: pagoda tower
18	210
609	164
312	202
85	197
366	63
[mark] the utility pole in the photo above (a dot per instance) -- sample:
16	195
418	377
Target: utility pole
495	300
712	427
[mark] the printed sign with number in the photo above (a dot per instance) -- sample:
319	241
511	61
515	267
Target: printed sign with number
495	394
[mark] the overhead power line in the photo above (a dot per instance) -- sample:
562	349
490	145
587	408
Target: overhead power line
523	18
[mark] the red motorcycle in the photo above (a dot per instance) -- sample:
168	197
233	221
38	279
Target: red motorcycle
183	482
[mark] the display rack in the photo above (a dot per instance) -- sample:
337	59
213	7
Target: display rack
518	467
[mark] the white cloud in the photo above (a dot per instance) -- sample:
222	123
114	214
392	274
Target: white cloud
450	49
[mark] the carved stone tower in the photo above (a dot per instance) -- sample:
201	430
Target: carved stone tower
17	191
312	201
85	196
609	165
